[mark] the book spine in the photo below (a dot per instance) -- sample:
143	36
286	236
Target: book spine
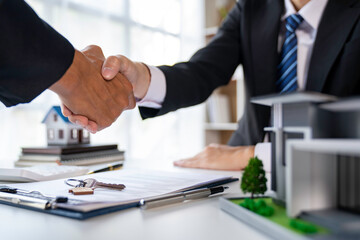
68	149
91	161
53	158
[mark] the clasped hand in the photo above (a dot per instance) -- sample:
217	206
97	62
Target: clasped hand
113	67
84	92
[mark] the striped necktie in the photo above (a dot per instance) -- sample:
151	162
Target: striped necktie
287	69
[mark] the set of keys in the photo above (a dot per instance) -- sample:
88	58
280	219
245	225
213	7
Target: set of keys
87	186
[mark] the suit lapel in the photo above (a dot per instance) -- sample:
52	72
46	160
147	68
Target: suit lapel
265	25
336	23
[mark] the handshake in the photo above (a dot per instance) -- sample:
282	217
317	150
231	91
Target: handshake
94	91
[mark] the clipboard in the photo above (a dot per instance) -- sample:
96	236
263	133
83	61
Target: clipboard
73	214
43	204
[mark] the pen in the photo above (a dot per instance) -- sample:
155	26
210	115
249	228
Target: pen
179	197
108	168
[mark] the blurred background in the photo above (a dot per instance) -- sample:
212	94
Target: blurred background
156	32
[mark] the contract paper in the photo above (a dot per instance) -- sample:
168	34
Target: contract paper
140	183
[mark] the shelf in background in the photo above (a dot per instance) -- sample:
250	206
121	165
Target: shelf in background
221	126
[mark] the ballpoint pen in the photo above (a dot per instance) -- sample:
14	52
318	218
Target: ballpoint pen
147	203
108	168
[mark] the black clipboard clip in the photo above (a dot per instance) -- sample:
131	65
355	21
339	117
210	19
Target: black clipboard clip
33	199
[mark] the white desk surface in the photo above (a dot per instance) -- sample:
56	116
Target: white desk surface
199	219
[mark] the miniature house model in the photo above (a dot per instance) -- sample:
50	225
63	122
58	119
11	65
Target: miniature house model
60	131
294	116
316	159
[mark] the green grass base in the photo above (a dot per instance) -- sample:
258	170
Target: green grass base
279	217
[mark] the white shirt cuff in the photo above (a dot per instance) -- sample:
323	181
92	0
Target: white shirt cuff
2	106
157	89
263	152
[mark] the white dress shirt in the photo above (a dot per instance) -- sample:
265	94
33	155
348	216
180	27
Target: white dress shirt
305	33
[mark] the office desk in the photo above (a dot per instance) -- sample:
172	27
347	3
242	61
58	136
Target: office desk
199	219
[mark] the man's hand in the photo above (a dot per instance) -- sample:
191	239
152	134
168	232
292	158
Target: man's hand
219	157
137	73
84	92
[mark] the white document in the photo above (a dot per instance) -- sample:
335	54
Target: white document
139	184
41	173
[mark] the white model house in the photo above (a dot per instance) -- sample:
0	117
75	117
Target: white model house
315	175
294	116
60	131
316	159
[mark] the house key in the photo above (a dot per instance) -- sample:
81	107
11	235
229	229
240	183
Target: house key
93	183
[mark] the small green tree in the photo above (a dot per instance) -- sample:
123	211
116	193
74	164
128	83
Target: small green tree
254	180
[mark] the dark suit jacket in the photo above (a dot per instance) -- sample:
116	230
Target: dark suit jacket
249	36
33	56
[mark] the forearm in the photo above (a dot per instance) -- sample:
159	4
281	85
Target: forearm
33	55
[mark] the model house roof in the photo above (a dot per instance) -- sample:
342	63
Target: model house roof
293	97
57	109
348	104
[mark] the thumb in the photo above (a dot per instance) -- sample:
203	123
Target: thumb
113	65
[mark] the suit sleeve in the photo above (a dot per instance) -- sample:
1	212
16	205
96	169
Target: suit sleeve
190	83
33	55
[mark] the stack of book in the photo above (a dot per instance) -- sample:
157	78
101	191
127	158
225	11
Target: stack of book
79	155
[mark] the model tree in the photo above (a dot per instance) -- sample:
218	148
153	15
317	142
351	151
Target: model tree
254	179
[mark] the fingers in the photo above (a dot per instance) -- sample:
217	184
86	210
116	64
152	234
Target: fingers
187	163
84	122
65	111
92	127
113	65
122	91
79	120
218	157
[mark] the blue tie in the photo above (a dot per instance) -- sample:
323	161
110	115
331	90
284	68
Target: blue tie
287	69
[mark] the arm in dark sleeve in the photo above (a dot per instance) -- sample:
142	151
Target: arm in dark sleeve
33	55
190	83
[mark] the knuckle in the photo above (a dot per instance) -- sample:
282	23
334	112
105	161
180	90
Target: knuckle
115	113
114	60
95	51
89	48
124	61
106	123
94	47
124	104
121	57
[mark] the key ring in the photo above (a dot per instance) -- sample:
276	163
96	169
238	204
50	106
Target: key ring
70	181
